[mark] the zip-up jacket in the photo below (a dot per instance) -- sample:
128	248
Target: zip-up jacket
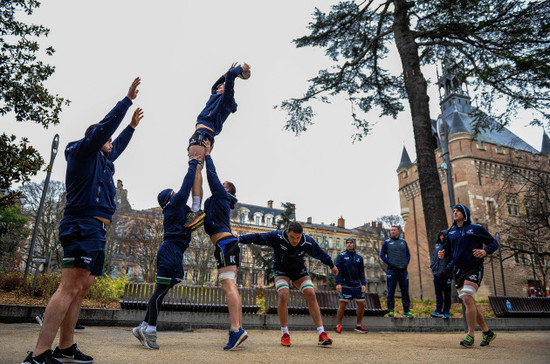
351	270
217	208
395	253
441	267
89	177
461	241
219	106
285	256
175	212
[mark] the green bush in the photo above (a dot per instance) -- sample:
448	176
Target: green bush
108	289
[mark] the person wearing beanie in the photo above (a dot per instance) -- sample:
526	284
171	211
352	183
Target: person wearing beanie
89	208
351	284
465	245
226	246
176	240
395	253
219	106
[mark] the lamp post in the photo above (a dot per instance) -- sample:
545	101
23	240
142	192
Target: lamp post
55	145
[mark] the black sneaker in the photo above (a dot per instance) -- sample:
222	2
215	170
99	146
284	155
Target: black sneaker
71	355
78	326
468	341
40	318
487	338
44	358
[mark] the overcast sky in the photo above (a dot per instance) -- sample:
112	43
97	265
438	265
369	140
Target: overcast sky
179	48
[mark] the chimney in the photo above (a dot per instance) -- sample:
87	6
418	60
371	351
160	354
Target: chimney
341	223
270	204
373	223
380	225
309	220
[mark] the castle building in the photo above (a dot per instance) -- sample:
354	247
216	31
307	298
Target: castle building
490	172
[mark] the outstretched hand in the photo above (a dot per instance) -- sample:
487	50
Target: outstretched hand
208	146
136	117
133	91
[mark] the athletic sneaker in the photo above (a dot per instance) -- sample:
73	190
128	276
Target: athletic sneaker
71	355
338	329
78	326
235	338
194	219
148	339
446	316
468	341
408	314
390	314
324	339
40	318
487	338
436	314
285	340
44	358
361	329
135	331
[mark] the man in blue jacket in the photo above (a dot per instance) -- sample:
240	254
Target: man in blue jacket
89	208
443	278
217	209
209	124
395	253
289	248
351	284
464	244
170	254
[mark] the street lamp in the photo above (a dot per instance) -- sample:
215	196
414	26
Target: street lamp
55	145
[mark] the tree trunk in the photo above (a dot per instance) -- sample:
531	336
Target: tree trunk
430	188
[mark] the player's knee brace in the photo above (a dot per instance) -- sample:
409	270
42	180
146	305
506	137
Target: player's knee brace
227	275
467	291
306	284
280	284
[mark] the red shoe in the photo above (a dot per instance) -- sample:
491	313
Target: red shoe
324	339
285	340
361	329
338	329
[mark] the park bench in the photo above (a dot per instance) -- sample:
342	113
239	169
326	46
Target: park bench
328	303
520	306
186	298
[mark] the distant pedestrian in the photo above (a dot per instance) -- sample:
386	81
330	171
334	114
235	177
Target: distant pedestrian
351	284
395	253
443	280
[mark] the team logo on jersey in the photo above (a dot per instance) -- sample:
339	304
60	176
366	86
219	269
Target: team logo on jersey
232	259
470	231
472	277
86	260
346	258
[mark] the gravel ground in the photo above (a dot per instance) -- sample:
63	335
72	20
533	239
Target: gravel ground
117	345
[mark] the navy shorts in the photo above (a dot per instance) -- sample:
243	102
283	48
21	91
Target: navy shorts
349	293
293	273
83	242
199	136
170	263
227	252
473	274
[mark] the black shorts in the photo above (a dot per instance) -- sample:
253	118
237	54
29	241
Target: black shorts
227	252
199	136
293	273
473	274
83	242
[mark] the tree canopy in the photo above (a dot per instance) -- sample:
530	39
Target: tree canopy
23	92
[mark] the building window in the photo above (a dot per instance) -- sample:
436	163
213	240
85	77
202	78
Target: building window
330	243
257	219
141	272
129	270
491	211
120	228
338	243
195	277
117	247
268	220
186	258
114	272
208	277
319	241
242	219
131	250
148	232
529	207
255	278
512	205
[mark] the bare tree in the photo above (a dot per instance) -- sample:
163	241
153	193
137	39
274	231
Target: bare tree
391	220
47	239
526	196
201	252
148	235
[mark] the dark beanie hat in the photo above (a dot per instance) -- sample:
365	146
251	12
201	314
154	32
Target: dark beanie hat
164	197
